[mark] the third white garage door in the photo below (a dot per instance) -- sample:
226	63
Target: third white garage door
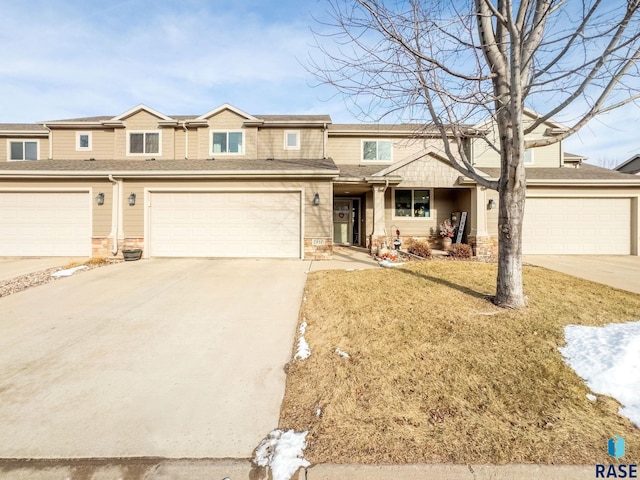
577	226
225	224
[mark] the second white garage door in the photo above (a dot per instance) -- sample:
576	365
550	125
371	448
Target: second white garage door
577	226
225	224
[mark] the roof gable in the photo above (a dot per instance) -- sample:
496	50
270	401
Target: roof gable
231	108
139	108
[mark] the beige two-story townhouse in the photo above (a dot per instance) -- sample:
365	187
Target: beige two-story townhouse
230	184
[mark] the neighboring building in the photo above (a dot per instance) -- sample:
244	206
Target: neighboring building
631	166
230	184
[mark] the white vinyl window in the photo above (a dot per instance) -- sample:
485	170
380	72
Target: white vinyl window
292	140
412	203
528	156
83	141
227	143
23	150
376	150
144	143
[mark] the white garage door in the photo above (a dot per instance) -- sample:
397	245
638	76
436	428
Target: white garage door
225	224
45	224
577	226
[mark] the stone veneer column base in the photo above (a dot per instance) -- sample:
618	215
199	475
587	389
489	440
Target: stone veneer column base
103	246
318	248
483	246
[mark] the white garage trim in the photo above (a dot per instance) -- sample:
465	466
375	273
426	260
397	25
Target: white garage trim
46	221
578	224
156	249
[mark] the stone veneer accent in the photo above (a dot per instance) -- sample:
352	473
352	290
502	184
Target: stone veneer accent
102	246
483	246
318	252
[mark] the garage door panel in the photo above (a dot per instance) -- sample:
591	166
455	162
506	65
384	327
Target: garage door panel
45	224
225	224
577	226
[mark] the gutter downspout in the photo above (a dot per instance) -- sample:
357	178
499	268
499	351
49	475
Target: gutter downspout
325	135
50	138
186	140
115	213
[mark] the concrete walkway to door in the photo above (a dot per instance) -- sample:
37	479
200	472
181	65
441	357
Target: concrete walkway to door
618	271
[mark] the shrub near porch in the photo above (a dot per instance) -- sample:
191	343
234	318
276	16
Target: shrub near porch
438	374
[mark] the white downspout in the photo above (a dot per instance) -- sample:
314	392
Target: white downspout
186	140
115	213
50	137
325	135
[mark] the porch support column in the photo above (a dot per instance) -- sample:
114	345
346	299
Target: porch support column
478	235
378	234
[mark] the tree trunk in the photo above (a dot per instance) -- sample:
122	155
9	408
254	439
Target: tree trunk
509	292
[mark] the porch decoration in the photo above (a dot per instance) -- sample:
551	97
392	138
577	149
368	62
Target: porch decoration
447	230
132	254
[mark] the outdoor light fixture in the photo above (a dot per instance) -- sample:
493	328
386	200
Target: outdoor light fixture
100	198
491	205
132	199
316	199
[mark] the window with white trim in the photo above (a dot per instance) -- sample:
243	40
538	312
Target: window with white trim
227	143
83	141
144	143
412	203
528	156
292	139
23	150
376	150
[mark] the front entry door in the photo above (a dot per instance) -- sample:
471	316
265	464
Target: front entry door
342	221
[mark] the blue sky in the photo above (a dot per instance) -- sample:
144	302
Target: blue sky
73	58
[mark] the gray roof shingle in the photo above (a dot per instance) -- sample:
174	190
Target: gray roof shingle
585	172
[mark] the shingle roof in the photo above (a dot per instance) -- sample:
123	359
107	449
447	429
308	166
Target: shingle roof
359	171
585	172
22	127
142	165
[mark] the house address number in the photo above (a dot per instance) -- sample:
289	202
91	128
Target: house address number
317	242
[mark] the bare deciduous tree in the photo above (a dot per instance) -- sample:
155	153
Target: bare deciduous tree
449	63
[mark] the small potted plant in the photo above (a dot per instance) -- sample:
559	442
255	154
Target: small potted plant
446	232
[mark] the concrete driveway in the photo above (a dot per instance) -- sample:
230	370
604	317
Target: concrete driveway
169	358
619	271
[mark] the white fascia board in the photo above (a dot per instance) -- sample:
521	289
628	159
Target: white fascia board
139	108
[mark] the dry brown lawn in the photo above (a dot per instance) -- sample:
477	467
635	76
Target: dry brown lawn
438	374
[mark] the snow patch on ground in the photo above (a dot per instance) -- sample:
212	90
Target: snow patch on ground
608	359
283	452
69	271
303	352
387	264
342	354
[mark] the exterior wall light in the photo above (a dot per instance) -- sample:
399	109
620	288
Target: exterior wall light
316	199
100	198
132	199
491	205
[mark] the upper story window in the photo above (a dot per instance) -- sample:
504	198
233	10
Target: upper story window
376	150
144	143
292	140
83	141
228	143
23	150
528	156
412	203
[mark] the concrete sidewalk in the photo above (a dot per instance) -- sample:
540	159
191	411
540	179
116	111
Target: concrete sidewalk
345	258
208	469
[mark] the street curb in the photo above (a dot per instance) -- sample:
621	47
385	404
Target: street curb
244	469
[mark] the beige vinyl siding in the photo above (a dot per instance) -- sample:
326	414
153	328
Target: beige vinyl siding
317	219
223	121
101	222
492	215
348	150
140	122
64	145
43	146
271	143
548	156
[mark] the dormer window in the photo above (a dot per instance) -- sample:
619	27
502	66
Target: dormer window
144	143
227	143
